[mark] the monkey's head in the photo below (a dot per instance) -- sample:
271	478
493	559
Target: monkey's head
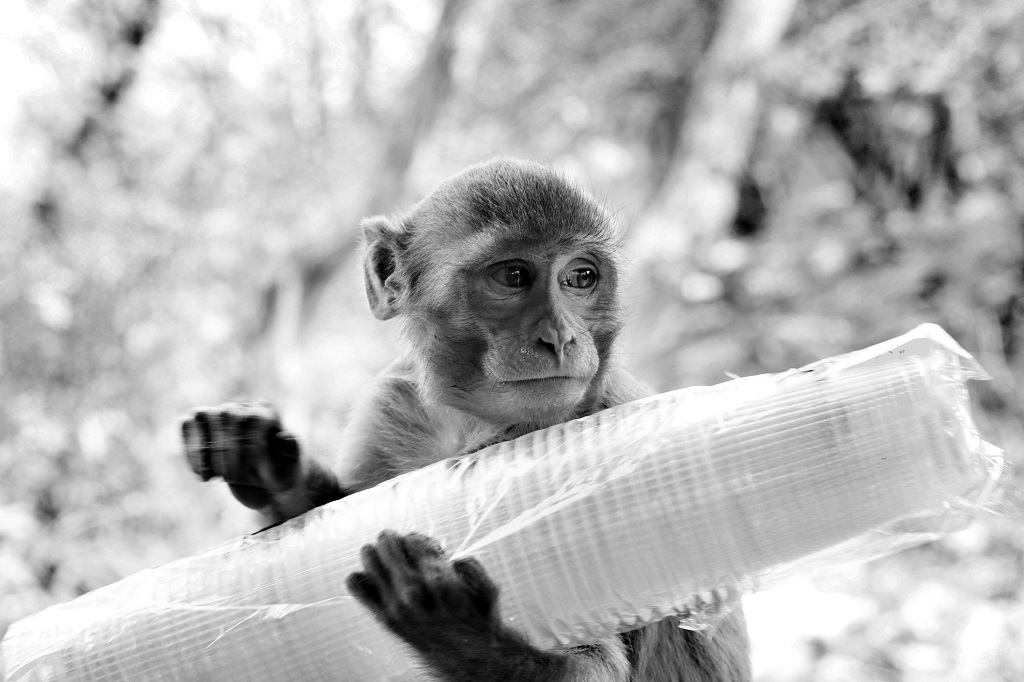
505	278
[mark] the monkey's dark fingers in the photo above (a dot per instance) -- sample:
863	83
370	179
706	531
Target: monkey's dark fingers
375	567
250	444
365	590
412	560
473	573
281	458
286	445
482	590
420	547
195	434
220	429
392	551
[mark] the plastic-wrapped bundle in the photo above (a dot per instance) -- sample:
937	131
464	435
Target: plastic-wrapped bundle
591	527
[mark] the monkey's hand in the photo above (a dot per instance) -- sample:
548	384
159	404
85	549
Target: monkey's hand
243	443
446	610
412	587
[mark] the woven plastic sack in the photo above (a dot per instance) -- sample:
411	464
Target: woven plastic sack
653	509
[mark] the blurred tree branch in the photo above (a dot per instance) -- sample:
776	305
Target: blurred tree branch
315	73
122	30
362	57
673	95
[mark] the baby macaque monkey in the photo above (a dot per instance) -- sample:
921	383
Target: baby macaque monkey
505	280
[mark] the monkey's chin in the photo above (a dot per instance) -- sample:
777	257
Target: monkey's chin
543	401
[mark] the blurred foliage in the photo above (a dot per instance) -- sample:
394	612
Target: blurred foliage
178	221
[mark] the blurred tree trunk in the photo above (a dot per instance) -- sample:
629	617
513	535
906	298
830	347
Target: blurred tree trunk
289	303
702	193
673	94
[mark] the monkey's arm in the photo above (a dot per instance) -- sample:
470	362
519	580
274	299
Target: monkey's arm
390	432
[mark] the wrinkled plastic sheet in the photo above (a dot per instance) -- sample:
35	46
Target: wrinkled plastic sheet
666	507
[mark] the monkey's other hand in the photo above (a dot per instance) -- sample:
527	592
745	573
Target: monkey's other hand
243	443
421	595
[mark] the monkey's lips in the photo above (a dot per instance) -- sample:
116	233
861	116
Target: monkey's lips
542	380
546	392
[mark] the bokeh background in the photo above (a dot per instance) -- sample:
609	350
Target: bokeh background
181	184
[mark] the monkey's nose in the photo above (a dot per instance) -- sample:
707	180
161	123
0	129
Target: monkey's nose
555	339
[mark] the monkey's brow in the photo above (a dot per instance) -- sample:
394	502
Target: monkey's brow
500	244
481	245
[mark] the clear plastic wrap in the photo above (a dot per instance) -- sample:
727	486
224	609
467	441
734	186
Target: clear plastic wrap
663	507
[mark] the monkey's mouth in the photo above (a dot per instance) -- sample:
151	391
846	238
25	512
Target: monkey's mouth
542	380
545	392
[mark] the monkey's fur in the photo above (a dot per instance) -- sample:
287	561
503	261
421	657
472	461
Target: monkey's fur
505	280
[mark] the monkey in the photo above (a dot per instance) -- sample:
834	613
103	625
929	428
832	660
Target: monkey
505	283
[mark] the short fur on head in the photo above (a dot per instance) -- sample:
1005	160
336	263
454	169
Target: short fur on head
426	266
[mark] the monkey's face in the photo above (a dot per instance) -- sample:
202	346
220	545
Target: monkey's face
518	333
506	281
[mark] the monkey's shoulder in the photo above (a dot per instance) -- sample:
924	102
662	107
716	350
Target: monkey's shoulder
394	428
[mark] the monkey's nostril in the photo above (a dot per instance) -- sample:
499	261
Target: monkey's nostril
557	346
553	348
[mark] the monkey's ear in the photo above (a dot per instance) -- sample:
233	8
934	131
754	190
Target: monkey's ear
385	283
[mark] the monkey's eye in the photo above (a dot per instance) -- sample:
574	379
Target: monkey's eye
512	275
580	278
